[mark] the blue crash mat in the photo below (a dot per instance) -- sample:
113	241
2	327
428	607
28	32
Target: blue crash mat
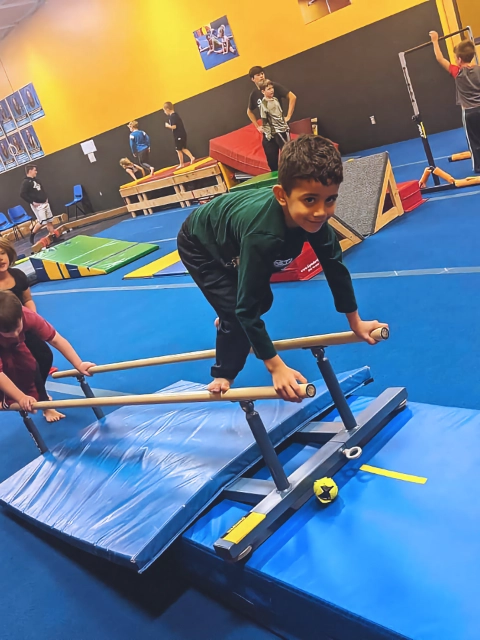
388	559
131	483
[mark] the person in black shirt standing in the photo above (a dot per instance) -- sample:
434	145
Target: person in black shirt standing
257	76
33	193
175	123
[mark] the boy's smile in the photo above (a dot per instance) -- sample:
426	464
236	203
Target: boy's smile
309	205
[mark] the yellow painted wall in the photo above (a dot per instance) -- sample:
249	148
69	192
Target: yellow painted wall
96	64
470	14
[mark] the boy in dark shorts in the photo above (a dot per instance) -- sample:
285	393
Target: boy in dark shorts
20	379
175	123
467	81
232	245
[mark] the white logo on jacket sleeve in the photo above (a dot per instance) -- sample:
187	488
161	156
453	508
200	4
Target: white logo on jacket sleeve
280	264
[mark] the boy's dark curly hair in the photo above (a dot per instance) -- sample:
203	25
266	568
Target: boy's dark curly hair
309	157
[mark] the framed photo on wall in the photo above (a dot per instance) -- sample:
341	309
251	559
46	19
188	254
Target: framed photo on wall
215	43
6	119
17	109
312	10
32	143
18	148
31	102
6	156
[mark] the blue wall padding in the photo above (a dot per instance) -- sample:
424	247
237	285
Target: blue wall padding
388	559
128	485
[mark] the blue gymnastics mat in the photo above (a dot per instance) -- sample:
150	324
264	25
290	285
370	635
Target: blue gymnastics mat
127	486
388	559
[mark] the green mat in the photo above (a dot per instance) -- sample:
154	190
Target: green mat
87	256
265	180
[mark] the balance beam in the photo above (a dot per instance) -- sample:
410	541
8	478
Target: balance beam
309	342
232	395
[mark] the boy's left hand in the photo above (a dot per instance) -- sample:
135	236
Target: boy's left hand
433	36
363	329
84	367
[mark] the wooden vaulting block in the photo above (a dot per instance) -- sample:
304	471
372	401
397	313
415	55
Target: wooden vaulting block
369	197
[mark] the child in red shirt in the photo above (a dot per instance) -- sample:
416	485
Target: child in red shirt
467	81
20	379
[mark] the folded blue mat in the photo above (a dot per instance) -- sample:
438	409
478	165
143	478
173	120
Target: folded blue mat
130	484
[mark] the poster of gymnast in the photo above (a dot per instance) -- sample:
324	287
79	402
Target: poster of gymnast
32	102
216	43
312	10
18	148
17	109
6	155
32	143
6	119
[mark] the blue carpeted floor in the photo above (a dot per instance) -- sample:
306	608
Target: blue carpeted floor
50	590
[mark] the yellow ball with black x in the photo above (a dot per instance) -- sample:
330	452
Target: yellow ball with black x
325	489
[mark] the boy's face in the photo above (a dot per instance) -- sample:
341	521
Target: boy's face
268	92
258	77
167	111
15	333
309	205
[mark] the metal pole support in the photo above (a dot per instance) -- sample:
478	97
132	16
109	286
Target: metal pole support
266	447
334	388
34	432
89	394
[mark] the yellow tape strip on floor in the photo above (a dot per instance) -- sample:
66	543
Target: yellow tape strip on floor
393	474
149	270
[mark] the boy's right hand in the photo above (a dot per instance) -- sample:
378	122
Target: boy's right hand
285	380
433	36
26	403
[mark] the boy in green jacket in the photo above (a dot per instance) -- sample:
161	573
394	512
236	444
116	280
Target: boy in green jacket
232	246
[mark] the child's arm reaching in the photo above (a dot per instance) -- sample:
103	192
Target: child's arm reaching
12	392
438	53
66	349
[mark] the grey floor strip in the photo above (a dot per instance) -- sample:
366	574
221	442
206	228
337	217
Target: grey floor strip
456	195
409	273
74	390
408	164
185	285
439	271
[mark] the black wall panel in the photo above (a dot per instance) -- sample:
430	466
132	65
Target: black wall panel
342	82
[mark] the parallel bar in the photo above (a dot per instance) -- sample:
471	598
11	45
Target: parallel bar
326	340
259	524
233	395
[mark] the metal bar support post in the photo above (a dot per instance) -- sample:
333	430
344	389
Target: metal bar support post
89	394
34	432
266	447
334	388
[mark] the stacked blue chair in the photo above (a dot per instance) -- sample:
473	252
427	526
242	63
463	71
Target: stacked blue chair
78	198
18	216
